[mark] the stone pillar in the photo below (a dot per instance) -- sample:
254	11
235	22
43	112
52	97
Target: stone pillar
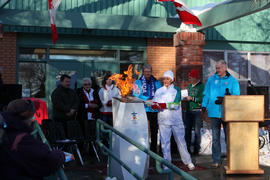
189	55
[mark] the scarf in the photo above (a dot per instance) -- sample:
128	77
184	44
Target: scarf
148	87
110	87
89	98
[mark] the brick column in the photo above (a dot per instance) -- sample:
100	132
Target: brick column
160	55
189	55
8	57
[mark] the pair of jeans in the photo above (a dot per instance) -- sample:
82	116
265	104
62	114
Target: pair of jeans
216	146
153	124
193	119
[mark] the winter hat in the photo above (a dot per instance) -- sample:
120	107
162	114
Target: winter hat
169	74
20	106
194	73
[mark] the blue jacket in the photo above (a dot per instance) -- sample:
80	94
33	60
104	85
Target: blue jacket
216	87
138	93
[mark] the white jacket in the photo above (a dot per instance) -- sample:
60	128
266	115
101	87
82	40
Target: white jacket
106	94
172	94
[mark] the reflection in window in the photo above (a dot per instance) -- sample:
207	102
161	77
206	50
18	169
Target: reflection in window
260	69
73	77
73	54
32	77
136	68
238	65
131	56
32	53
97	77
209	63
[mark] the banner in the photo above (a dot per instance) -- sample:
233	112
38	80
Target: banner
53	5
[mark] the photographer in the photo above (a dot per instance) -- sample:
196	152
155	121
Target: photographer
221	83
22	156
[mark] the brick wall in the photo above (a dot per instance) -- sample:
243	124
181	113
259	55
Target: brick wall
160	55
8	57
189	55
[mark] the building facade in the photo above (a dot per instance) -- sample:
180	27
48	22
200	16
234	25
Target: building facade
100	36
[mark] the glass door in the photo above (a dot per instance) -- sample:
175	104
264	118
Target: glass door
74	69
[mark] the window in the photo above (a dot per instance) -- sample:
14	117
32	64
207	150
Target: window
136	68
131	56
32	53
32	77
209	63
238	65
243	67
73	54
260	68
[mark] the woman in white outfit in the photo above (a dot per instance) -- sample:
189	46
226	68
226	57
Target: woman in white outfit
167	100
106	93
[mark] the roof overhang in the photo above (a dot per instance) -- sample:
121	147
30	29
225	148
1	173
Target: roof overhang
89	21
231	10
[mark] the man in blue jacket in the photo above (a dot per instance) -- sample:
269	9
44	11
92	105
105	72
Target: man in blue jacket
147	86
221	83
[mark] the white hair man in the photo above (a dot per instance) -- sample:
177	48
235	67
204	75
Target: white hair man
217	86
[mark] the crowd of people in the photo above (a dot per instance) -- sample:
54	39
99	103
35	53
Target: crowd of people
86	105
166	113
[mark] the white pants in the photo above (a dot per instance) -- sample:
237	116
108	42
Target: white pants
179	136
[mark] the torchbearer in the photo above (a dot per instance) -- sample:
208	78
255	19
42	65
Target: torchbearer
167	101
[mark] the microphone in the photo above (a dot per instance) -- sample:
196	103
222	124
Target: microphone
227	92
249	83
253	87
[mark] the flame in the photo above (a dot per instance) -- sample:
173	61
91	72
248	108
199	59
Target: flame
125	82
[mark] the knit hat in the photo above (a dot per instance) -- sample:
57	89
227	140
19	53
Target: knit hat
19	106
169	74
194	73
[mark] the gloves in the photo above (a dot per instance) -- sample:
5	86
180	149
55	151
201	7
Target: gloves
173	105
68	157
219	100
109	103
159	106
203	109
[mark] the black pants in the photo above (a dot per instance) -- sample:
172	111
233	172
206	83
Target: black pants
64	124
153	124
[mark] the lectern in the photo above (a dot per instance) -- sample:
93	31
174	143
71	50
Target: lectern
243	114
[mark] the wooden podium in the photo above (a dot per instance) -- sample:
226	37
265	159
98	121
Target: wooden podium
243	114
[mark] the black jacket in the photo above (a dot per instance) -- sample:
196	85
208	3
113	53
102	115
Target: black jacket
31	158
63	100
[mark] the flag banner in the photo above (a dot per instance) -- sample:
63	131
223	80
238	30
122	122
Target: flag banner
185	14
53	5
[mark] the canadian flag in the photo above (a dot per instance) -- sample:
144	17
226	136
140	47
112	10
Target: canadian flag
185	14
53	5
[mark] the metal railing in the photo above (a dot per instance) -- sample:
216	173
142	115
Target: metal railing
37	131
159	160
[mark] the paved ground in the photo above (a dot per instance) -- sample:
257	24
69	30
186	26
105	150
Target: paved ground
92	171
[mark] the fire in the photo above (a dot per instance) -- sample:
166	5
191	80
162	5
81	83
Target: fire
125	82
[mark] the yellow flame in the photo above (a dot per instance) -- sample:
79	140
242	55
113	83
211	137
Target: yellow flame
125	83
